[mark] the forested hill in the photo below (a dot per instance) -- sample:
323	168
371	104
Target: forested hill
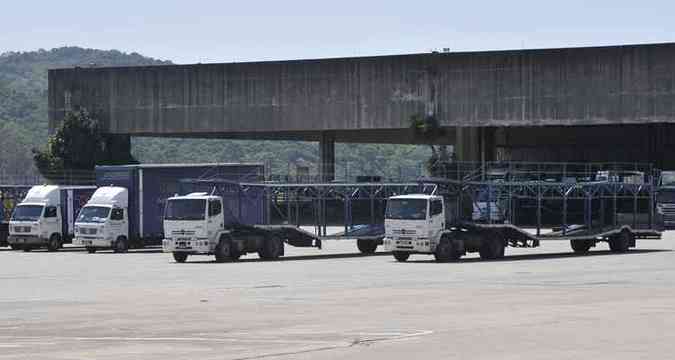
23	125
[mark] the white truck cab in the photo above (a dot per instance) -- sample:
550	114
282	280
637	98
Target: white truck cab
418	224
103	223
193	224
413	224
37	220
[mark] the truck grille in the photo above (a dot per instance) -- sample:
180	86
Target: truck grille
404	232
22	229
88	231
183	232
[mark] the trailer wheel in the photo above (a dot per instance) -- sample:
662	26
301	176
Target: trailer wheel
91	249
54	242
581	246
621	243
401	256
224	249
445	251
180	257
26	248
492	247
366	246
272	248
121	245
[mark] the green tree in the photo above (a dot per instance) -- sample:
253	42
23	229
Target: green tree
77	146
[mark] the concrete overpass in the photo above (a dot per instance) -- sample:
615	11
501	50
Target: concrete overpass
614	103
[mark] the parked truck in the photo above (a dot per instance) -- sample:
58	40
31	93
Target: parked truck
128	209
613	210
666	198
104	221
204	224
45	217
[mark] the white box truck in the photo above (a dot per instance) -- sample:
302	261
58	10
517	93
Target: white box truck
45	217
103	223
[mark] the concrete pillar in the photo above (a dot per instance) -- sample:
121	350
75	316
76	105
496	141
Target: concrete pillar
468	144
327	157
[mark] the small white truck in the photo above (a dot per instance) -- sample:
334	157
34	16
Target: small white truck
103	223
199	224
45	217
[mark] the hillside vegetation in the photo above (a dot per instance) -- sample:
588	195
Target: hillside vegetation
23	125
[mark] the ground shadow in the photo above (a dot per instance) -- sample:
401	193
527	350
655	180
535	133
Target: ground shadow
532	257
254	258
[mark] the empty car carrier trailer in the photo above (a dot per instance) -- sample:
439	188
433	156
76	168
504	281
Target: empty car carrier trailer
522	205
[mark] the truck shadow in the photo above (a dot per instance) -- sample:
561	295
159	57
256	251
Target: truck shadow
255	259
533	257
73	249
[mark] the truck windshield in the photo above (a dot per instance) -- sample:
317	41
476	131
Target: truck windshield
185	209
93	214
668	178
406	209
27	212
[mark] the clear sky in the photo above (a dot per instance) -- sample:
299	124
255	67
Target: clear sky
224	31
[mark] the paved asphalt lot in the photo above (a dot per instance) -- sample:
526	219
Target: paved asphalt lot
333	304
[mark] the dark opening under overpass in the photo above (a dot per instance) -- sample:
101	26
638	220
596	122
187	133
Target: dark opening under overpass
612	103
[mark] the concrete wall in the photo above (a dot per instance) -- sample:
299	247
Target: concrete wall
299	99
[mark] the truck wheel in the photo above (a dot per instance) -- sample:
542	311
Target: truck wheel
26	248
401	256
54	242
91	249
581	246
366	246
445	251
15	247
224	249
272	248
492	248
180	257
621	243
121	245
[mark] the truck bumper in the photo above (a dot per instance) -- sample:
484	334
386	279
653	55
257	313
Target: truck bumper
26	240
93	242
192	246
421	246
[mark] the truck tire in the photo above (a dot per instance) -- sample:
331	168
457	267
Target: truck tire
366	246
272	248
91	249
180	257
224	249
54	243
15	247
26	248
581	246
401	256
445	251
621	243
121	245
492	248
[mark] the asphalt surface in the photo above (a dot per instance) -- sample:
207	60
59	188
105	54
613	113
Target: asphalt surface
540	303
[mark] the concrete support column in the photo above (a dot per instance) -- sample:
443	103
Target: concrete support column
327	157
468	144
